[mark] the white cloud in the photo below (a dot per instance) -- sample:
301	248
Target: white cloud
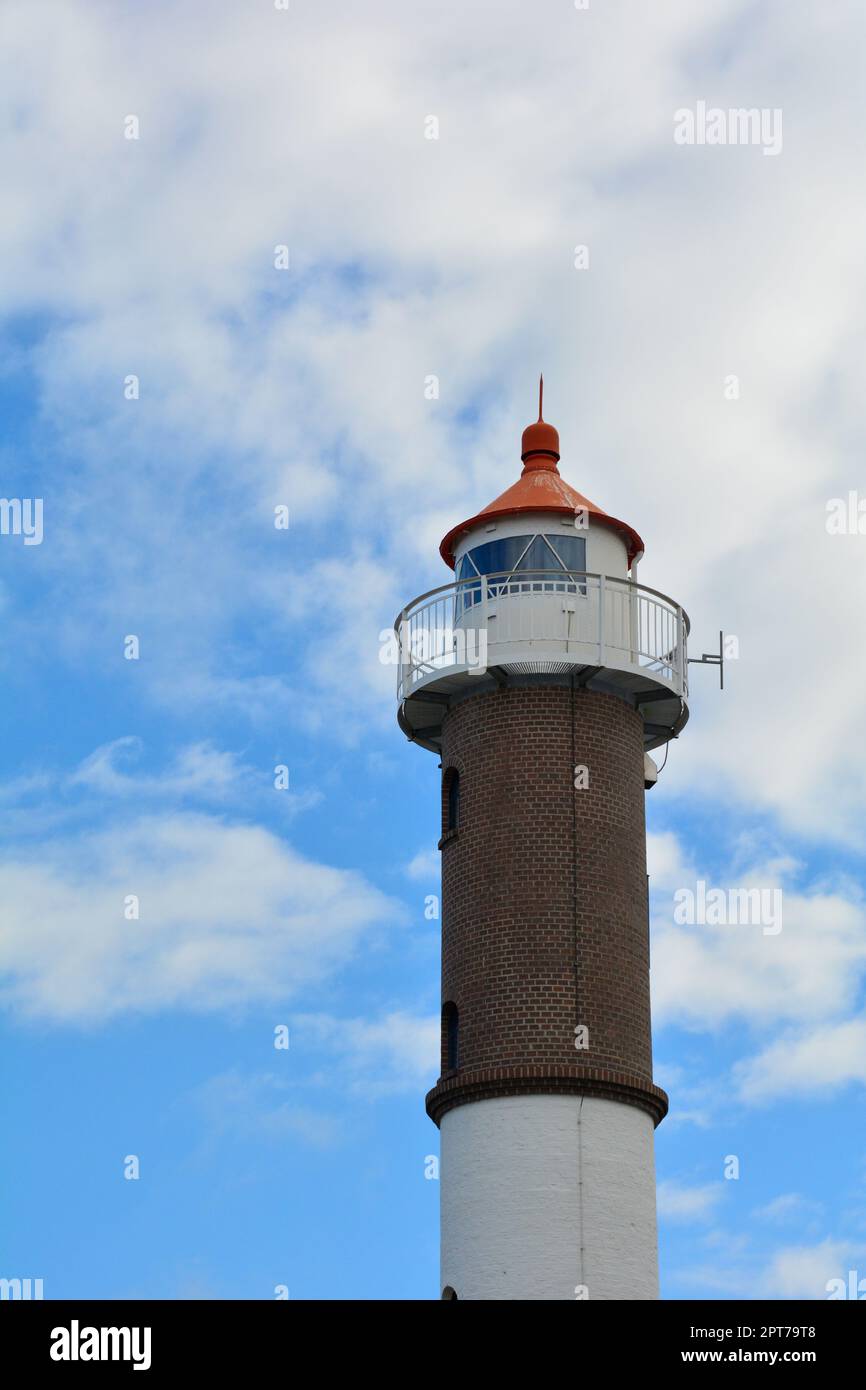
199	769
367	1058
803	1271
425	866
694	1098
199	772
789	1206
804	982
677	1202
815	1061
253	1106
394	1053
789	1272
666	864
229	915
706	977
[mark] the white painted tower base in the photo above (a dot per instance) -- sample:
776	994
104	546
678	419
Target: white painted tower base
543	1195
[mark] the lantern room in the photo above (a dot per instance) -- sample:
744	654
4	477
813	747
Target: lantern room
545	588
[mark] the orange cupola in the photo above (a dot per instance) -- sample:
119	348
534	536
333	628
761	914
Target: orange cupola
539	447
541	488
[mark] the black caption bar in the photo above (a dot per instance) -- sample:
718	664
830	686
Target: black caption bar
155	1339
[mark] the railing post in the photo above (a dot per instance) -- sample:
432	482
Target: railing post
485	606
685	661
601	620
401	650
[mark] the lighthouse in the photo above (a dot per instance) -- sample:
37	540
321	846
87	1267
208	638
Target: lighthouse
543	675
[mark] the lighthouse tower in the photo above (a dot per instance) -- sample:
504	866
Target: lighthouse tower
543	675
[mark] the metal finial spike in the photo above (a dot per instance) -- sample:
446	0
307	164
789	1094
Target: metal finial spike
540	394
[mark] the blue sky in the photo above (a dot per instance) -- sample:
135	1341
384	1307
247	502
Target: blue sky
258	648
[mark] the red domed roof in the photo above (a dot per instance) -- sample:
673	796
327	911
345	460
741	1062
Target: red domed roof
540	488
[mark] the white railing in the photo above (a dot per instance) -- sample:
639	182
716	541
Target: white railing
570	618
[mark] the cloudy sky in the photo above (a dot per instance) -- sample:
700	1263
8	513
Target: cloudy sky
231	256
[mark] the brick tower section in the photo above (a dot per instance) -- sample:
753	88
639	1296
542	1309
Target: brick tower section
544	899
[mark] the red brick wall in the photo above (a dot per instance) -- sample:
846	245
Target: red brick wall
537	937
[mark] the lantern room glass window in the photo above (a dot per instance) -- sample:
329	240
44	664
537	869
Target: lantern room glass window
512	557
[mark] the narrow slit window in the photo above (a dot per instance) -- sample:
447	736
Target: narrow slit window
450	1036
452	799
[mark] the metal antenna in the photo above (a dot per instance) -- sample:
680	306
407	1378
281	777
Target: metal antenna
711	659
